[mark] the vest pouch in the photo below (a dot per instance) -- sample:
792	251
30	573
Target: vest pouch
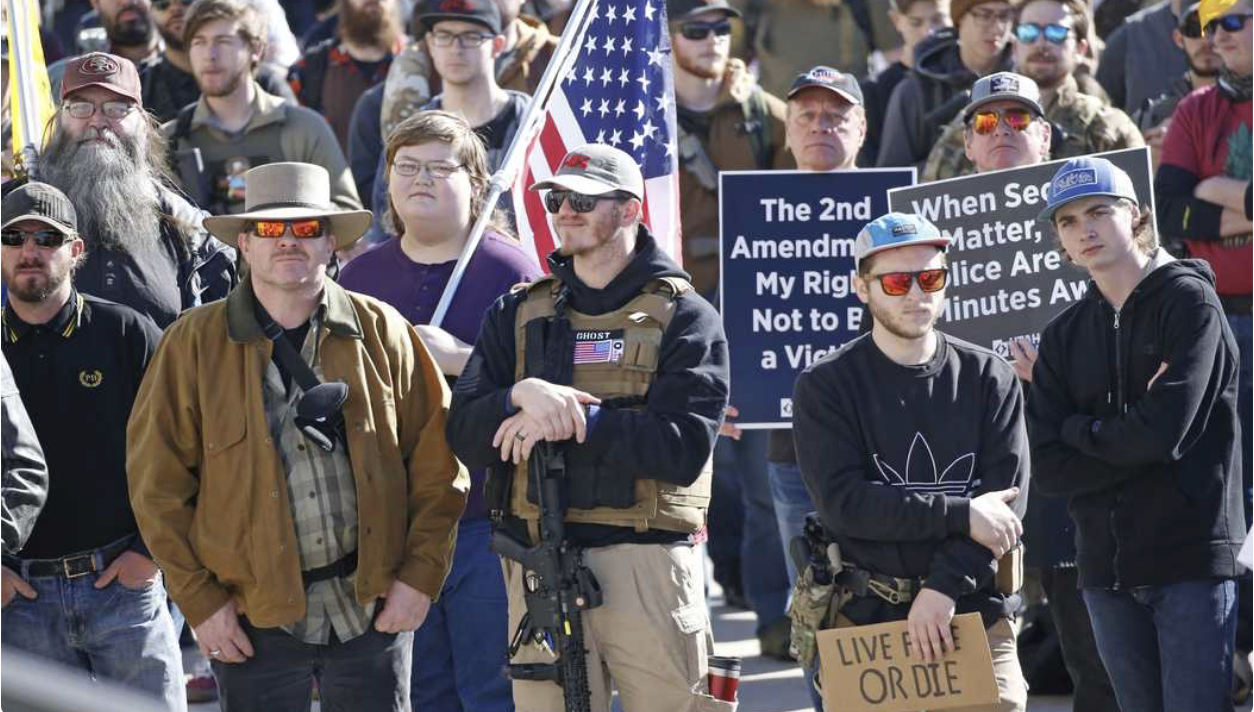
641	346
496	489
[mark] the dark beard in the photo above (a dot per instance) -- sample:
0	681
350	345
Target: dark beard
371	28
130	33
113	190
172	41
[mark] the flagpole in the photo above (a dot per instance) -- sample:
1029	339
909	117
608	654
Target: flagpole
22	78
567	49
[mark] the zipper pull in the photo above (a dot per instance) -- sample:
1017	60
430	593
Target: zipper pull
1117	318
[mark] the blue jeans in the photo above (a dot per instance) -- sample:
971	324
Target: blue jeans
1167	647
461	650
761	553
114	633
792	504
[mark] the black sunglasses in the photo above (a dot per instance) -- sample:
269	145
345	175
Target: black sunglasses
50	239
701	30
579	202
1192	27
1230	23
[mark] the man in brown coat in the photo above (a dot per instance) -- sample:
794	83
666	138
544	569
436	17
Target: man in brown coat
288	467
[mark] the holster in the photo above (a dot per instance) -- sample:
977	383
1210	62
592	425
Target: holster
1010	571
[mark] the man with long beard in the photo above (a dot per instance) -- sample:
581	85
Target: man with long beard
237	125
144	244
168	81
333	75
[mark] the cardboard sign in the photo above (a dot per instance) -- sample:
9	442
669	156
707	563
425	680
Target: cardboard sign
1006	279
787	294
873	668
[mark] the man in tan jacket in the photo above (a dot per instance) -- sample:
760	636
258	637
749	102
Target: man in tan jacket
288	467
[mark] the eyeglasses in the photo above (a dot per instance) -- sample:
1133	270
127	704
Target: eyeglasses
1029	32
1191	27
111	109
984	16
897	284
1229	23
304	229
439	170
49	239
465	40
579	202
701	30
985	122
164	5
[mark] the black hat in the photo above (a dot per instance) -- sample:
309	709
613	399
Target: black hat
678	10
482	12
42	202
842	83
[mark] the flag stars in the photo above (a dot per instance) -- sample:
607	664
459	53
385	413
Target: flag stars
601	136
609	46
649	129
607	76
648	11
639	110
604	108
624	77
589	75
663	102
590	45
629	15
616	138
655	57
612	14
586	108
643	79
620	108
637	140
625	47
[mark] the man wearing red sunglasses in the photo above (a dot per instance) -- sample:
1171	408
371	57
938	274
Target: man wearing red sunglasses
288	467
914	447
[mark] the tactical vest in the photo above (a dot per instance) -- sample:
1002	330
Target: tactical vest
616	356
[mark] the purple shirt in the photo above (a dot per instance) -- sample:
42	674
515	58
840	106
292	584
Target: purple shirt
414	289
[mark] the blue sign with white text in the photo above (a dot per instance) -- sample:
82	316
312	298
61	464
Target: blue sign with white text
787	289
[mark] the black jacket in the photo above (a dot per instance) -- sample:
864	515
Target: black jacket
927	99
1153	473
893	454
670	439
24	487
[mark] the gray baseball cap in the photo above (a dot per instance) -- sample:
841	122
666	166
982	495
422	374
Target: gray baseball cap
42	202
1004	86
843	84
596	169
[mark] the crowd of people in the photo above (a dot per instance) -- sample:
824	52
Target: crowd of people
246	465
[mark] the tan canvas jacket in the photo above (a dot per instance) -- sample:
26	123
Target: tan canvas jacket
208	487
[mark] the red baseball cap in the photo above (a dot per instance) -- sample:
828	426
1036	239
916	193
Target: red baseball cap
100	69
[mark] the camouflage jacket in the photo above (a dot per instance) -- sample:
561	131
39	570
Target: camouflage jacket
1082	125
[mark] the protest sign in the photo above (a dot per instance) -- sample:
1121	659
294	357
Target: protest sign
873	668
786	253
1006	279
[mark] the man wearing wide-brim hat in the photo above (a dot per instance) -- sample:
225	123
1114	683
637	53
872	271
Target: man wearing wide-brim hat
304	536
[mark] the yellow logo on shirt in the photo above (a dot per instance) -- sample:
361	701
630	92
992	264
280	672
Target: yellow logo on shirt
90	379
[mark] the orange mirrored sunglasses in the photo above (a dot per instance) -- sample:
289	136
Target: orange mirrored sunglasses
984	122
896	284
305	229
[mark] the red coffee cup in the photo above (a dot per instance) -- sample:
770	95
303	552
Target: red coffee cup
724	677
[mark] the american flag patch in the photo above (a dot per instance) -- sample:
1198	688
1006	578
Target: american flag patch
598	351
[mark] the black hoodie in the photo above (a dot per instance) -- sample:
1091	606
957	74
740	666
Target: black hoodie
925	101
670	439
1153	473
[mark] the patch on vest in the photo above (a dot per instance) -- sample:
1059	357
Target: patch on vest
598	346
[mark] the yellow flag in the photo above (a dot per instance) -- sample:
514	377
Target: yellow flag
30	94
1211	9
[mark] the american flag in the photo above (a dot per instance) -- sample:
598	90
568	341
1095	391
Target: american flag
601	351
617	89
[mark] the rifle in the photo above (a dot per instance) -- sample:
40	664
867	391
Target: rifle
557	587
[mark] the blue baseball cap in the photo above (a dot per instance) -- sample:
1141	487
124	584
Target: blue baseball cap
1086	177
896	230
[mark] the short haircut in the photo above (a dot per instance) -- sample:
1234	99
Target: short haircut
252	25
1081	15
471	154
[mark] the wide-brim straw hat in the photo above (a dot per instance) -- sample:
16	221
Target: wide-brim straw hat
290	191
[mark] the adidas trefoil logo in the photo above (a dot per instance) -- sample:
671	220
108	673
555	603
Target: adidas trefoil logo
922	474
